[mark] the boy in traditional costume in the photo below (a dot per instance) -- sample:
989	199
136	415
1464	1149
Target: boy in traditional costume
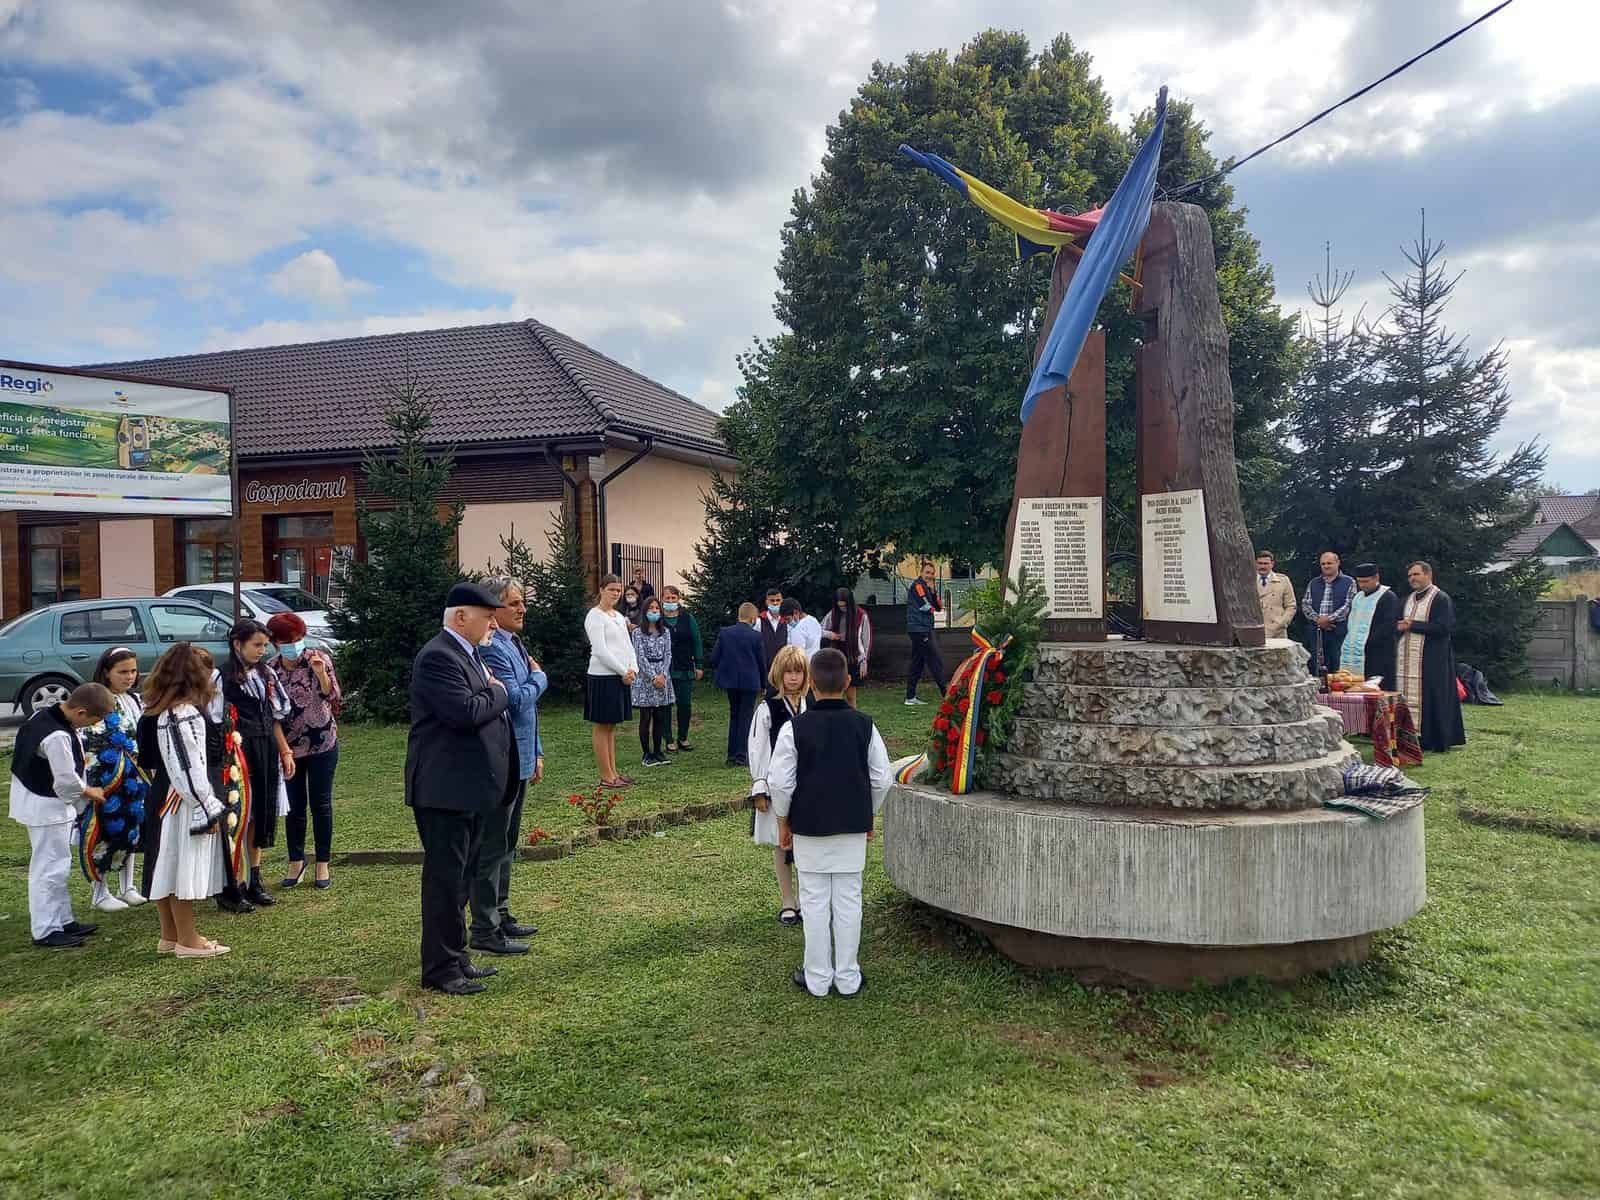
1426	661
1370	636
828	778
49	788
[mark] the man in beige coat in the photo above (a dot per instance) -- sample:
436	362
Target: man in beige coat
1277	596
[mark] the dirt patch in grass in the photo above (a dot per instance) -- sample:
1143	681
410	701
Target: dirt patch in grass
284	1108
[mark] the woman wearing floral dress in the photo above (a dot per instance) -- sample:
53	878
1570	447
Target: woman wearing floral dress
653	693
311	685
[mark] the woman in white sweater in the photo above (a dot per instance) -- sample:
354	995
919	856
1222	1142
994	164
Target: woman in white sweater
607	701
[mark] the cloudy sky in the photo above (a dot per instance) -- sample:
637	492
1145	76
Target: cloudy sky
200	174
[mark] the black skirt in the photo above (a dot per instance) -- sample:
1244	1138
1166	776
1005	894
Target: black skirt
607	700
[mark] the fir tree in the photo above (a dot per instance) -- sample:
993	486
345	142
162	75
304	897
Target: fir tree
557	594
394	598
1443	494
1331	427
740	555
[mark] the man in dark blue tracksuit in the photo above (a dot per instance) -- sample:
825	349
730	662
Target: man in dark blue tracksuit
922	601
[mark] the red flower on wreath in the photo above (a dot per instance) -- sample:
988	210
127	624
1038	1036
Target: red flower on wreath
994	697
999	676
953	736
941	724
982	737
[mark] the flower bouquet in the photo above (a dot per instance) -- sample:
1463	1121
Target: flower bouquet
111	828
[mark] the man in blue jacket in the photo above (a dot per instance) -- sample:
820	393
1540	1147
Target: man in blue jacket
494	929
922	601
738	661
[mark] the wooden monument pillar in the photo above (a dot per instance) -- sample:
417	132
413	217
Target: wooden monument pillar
1195	561
1195	557
1059	499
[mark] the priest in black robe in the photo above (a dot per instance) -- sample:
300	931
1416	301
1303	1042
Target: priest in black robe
1426	662
1372	634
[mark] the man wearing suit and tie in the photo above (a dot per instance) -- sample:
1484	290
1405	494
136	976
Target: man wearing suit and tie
738	661
461	770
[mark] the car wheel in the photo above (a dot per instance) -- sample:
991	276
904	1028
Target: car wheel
42	693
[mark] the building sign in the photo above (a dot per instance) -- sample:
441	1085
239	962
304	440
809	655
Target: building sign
270	495
1059	539
1175	564
89	443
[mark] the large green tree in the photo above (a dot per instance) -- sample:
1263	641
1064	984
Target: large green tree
886	412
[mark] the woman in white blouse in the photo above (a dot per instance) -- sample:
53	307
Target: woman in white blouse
189	861
607	701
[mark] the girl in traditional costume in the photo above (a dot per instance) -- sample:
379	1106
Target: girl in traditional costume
112	831
188	863
257	705
790	676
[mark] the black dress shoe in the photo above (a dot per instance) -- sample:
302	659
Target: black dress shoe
499	945
474	971
78	929
516	929
234	904
259	896
458	987
59	940
799	980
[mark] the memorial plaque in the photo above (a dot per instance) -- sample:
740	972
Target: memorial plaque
1059	540
1176	559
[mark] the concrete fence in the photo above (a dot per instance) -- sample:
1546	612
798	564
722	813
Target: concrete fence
1565	650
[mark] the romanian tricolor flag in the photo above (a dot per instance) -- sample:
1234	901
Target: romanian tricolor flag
1038	230
969	684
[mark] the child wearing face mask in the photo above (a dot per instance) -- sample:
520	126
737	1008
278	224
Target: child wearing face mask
311	686
653	693
629	608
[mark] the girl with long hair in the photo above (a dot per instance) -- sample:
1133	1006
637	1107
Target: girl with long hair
652	687
790	677
188	857
258	705
118	672
848	629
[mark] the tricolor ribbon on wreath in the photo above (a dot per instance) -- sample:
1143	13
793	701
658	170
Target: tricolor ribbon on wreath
965	697
236	796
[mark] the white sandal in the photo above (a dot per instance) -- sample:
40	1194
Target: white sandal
209	950
165	947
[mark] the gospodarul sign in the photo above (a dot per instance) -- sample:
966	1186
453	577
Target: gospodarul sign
289	493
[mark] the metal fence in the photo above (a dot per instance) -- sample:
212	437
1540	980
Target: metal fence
890	592
624	558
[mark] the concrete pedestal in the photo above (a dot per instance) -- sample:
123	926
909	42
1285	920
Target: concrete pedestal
1169	849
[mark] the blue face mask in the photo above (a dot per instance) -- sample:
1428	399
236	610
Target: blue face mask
292	650
773	608
670	605
652	615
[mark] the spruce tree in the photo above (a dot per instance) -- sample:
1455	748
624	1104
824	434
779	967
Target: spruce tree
557	593
1442	493
394	598
1331	427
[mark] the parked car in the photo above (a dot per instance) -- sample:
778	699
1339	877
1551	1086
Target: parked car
46	653
261	600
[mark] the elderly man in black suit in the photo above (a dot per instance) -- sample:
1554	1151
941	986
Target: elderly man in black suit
461	764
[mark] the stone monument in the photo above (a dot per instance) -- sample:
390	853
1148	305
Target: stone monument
1156	817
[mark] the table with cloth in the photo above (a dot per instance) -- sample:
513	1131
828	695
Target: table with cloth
1383	716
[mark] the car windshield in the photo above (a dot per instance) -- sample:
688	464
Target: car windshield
267	602
287	599
17	622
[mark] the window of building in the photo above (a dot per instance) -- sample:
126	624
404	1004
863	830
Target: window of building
206	550
53	574
118	623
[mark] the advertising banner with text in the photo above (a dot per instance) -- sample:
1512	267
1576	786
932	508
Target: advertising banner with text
88	443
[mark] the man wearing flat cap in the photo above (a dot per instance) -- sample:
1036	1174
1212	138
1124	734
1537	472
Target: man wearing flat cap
461	768
1370	636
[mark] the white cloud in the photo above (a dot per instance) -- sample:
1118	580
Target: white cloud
315	278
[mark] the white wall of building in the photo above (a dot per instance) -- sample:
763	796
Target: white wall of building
658	502
483	525
127	558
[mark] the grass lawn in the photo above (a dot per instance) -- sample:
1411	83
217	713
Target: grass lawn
653	1046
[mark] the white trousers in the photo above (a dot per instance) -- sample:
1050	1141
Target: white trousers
49	864
831	905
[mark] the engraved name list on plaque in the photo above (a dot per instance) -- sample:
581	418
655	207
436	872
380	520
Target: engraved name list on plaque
1059	541
1176	558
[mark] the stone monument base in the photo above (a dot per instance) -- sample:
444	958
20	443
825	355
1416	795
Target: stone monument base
1162	823
1160	965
